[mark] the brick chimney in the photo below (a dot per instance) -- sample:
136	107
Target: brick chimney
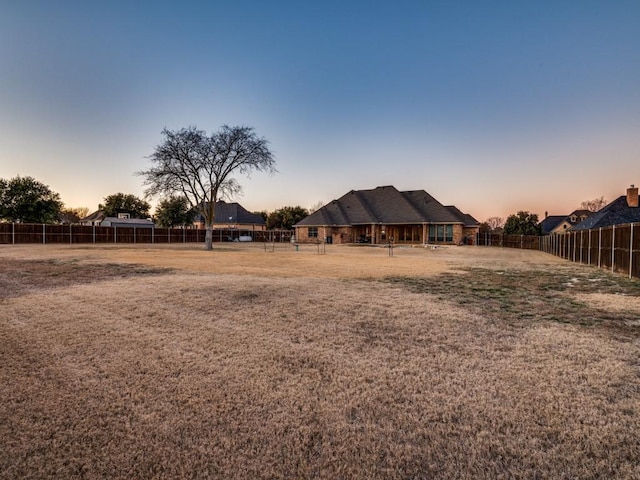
632	196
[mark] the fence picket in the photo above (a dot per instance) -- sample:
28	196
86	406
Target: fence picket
21	233
567	246
631	253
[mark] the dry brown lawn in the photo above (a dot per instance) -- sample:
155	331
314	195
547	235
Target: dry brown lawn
171	362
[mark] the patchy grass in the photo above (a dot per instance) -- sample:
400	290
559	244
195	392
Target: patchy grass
201	373
523	297
19	276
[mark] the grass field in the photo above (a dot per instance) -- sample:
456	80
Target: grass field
172	362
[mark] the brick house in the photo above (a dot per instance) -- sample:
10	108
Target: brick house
385	214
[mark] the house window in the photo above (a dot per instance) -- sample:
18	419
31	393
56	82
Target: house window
313	232
573	219
440	233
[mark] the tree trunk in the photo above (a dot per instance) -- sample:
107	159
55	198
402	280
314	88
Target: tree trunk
209	215
208	238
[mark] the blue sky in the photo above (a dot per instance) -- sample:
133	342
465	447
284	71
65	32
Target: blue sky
492	106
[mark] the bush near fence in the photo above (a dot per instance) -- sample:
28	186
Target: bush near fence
25	233
615	248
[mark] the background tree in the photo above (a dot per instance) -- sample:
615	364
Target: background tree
286	217
175	210
496	224
263	213
26	200
73	215
593	205
522	223
316	206
189	162
125	203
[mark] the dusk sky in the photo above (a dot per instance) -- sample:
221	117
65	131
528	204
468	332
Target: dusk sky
492	106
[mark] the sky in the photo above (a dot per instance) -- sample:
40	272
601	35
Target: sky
493	106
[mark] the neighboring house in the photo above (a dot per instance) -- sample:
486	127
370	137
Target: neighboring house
233	216
94	219
562	223
385	214
623	209
123	220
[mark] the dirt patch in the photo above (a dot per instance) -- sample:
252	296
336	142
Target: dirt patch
617	302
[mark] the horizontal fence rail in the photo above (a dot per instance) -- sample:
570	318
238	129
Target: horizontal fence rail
25	233
615	248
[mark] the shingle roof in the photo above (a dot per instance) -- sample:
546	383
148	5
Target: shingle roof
549	223
467	219
233	213
385	205
616	213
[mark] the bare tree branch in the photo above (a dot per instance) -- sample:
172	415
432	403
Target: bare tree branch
199	167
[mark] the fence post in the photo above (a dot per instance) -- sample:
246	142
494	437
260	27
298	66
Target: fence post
184	235
44	233
631	253
115	235
589	252
169	235
613	249
153	231
70	235
94	233
134	234
13	233
580	246
600	247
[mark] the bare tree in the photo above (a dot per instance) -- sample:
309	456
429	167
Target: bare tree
495	223
316	206
593	205
200	167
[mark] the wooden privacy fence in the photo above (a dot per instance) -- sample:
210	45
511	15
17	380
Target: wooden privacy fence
615	248
19	233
